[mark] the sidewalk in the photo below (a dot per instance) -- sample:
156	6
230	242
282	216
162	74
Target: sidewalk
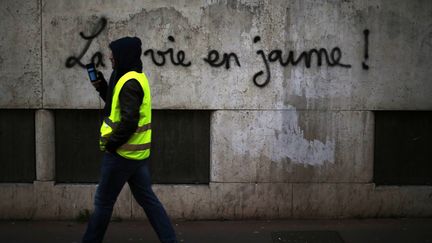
266	231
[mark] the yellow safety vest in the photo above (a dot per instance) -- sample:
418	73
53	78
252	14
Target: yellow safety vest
138	145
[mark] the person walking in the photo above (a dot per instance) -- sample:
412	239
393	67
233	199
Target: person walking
125	140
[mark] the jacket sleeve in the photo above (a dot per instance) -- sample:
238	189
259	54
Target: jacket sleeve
130	99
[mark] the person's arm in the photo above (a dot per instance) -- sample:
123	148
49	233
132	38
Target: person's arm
130	99
101	86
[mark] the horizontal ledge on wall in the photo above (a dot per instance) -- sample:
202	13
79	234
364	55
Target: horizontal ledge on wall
213	109
318	183
220	182
94	184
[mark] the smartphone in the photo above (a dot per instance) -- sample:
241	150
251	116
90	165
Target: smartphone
91	69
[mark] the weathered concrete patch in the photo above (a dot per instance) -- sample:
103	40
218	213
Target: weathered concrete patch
181	202
223	201
17	201
20	54
251	200
346	200
398	54
291	146
67	201
44	200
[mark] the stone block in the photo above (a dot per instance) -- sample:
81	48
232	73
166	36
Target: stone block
69	201
348	200
189	202
413	201
20	54
17	201
251	200
331	200
292	146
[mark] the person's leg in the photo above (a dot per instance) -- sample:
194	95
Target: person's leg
113	177
140	185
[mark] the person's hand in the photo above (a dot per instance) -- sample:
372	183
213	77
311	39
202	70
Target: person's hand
109	147
100	81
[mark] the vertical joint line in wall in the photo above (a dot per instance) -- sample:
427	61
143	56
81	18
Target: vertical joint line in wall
41	54
292	200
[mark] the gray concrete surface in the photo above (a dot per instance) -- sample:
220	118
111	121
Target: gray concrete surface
302	146
399	52
20	54
292	146
351	231
46	200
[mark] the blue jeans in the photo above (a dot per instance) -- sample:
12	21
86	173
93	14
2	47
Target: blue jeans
115	172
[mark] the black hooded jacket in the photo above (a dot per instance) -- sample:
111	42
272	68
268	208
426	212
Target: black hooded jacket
127	57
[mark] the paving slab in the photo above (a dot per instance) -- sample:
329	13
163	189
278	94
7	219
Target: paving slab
397	230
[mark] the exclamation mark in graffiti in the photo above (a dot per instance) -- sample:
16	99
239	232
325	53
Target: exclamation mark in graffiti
366	50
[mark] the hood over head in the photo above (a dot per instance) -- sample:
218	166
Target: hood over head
127	57
127	54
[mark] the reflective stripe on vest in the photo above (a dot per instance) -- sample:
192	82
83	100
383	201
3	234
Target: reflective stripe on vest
138	145
113	125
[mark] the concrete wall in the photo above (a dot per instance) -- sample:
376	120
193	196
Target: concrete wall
301	146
